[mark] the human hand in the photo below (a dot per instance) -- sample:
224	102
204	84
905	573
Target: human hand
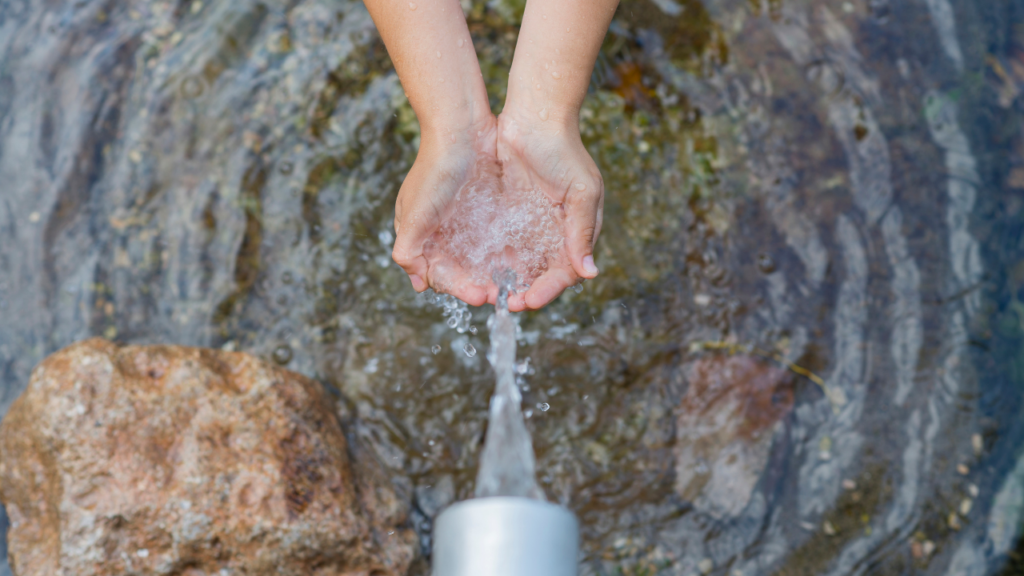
445	164
537	151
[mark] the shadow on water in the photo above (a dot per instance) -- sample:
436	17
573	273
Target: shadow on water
804	353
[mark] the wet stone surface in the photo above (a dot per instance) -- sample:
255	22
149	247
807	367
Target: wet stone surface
811	260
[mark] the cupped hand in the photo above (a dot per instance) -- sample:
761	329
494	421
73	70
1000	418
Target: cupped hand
445	164
538	153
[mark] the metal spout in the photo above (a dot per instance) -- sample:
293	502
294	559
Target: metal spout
505	536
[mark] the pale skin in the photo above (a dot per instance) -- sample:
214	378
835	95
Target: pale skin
535	140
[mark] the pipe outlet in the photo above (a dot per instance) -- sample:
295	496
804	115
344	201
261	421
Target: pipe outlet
505	536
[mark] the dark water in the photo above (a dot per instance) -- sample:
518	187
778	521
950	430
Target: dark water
805	354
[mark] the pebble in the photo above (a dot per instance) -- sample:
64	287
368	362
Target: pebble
963	469
282	354
706	566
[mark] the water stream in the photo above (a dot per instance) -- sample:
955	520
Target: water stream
507	466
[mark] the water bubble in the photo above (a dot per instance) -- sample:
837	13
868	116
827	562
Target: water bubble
528	413
452	322
556	75
469	350
472	330
412	5
282	354
436	349
580	186
543	114
543	406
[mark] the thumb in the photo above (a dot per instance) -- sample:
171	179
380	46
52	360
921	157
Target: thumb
583	213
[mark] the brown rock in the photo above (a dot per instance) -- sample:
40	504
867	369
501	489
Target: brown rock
724	430
172	460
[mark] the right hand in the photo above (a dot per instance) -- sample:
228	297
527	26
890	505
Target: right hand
445	162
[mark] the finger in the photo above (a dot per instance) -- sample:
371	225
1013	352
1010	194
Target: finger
548	287
517	302
582	207
449	278
411	259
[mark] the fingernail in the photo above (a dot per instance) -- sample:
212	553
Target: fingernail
589	267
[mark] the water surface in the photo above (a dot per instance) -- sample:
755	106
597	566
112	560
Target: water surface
802	356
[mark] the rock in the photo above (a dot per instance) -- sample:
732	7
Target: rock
185	461
724	429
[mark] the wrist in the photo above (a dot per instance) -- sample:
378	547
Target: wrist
535	100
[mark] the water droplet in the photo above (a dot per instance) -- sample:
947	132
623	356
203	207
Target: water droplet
543	114
282	354
439	54
286	168
577	288
472	329
452	322
765	263
469	350
581	186
523	367
566	29
543	406
412	5
461	42
528	413
557	51
538	86
556	75
545	65
453	139
436	349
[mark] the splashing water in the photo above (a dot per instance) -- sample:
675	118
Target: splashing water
496	226
507	467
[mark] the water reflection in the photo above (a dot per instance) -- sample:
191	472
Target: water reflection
838	185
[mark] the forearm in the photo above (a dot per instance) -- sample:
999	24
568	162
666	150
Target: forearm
558	44
430	46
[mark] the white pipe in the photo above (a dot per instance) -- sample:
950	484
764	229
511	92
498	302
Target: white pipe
505	536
